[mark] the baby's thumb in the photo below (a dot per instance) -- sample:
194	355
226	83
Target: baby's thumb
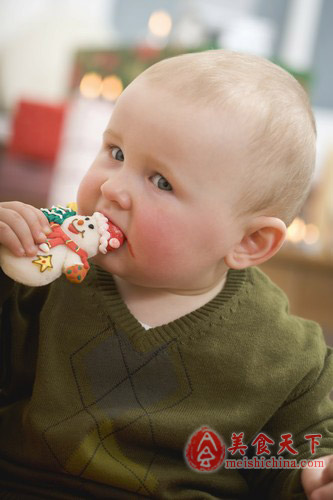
314	477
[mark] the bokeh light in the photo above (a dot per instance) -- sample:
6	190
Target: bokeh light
312	234
112	87
299	232
296	231
91	85
160	23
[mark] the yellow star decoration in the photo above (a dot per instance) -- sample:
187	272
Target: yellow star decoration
44	261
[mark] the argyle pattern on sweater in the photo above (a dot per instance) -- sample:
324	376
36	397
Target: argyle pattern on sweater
95	405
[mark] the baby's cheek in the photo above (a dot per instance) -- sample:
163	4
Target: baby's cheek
159	238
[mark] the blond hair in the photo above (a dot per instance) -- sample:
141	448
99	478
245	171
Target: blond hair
274	109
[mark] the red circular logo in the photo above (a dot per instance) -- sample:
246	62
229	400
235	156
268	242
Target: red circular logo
205	450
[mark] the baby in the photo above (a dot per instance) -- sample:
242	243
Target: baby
206	160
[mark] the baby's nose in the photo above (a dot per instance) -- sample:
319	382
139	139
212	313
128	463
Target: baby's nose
80	222
112	191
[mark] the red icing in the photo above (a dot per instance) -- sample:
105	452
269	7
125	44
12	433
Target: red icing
115	232
59	237
72	228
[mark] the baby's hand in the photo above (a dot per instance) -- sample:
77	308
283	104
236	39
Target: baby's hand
318	482
22	226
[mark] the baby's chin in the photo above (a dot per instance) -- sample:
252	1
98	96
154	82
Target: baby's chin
118	263
104	262
133	276
113	265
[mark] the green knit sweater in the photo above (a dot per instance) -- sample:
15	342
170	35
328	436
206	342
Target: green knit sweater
95	406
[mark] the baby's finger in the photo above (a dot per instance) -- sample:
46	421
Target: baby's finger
9	239
328	471
19	227
35	220
315	477
31	215
43	220
323	493
39	225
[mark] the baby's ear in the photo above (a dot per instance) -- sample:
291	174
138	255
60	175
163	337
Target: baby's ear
263	238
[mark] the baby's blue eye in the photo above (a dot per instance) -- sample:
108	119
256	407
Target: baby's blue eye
117	153
160	182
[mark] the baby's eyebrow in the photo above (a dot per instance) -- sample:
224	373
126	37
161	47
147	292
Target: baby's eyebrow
109	131
163	168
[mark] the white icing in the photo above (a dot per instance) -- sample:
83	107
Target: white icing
44	248
114	243
105	238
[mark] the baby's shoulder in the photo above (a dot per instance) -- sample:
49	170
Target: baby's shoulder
265	311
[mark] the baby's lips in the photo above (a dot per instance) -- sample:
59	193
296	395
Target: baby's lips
117	237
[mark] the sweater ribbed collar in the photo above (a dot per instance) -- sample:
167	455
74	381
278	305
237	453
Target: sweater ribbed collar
191	324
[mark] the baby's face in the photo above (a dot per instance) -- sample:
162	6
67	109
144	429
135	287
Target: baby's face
168	175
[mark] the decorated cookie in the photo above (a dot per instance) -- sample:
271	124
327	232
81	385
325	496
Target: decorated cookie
73	240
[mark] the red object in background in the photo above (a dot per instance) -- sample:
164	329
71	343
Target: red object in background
36	130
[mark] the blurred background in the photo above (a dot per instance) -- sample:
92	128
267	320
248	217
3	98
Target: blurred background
63	64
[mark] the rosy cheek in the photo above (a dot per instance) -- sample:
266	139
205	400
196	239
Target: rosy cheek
157	238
